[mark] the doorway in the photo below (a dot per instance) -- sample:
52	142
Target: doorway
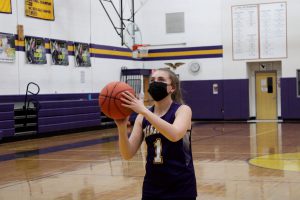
258	73
266	95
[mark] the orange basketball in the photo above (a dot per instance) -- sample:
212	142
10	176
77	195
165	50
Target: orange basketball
109	100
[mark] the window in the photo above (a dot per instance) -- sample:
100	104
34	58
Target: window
135	83
270	84
298	83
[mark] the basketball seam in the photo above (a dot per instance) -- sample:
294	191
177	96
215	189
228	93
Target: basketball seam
119	100
104	96
110	97
121	91
117	106
113	98
115	95
102	103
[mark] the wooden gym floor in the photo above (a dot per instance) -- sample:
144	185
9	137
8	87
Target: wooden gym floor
242	161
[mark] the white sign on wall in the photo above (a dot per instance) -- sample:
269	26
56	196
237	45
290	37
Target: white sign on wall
245	32
272	30
259	31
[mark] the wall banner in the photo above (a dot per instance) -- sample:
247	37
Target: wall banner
35	50
59	52
5	6
7	48
41	9
82	54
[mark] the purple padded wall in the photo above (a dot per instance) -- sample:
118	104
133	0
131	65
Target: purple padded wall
236	99
290	103
199	96
231	102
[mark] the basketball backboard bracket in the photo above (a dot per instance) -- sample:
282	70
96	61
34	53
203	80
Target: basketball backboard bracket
122	27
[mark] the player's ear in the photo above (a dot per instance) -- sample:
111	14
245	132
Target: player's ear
173	89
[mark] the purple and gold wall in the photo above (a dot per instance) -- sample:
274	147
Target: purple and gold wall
232	100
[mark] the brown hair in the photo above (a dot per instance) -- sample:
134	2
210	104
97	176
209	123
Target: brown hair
176	95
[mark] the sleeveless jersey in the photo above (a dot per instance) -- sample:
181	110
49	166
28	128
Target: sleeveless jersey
169	168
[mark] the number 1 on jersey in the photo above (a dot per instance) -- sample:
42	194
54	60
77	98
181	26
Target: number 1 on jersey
158	149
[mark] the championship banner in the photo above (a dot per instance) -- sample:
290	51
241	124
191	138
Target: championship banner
82	54
5	6
41	9
59	52
35	50
7	48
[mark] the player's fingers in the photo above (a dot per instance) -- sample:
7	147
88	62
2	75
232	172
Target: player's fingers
125	95
130	94
124	100
126	105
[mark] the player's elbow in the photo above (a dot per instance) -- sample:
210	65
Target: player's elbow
177	135
126	156
175	138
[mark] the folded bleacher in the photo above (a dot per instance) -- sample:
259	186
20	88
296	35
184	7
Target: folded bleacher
67	115
7	122
50	113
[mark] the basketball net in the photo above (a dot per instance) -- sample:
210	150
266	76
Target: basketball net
139	51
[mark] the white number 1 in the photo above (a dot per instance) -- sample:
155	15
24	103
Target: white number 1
158	149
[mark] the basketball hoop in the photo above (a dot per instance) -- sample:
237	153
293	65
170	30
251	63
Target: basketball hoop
139	51
132	35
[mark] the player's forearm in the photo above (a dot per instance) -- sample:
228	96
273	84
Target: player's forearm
124	144
168	130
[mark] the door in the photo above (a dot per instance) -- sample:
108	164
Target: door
266	95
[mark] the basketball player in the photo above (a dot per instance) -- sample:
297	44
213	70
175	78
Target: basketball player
166	128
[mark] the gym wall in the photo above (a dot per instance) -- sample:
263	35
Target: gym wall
207	25
210	24
75	21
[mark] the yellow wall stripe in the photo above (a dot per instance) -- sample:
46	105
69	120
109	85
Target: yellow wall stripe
186	53
70	48
110	52
47	45
129	54
20	43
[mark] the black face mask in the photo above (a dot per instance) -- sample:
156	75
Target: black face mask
158	90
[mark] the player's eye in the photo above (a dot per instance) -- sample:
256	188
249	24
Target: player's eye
158	79
161	79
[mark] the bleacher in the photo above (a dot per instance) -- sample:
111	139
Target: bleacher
67	115
7	120
49	114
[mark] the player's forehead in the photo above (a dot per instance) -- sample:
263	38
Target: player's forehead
159	74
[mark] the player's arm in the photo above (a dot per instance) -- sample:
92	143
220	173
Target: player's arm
172	132
178	129
129	146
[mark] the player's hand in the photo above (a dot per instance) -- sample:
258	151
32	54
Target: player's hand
122	122
130	101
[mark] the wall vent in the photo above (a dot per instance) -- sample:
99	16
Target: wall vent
175	22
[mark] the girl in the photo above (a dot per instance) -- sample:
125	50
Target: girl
166	128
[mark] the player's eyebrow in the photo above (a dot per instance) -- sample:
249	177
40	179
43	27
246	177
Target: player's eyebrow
159	78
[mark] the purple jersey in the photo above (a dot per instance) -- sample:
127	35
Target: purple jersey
169	168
